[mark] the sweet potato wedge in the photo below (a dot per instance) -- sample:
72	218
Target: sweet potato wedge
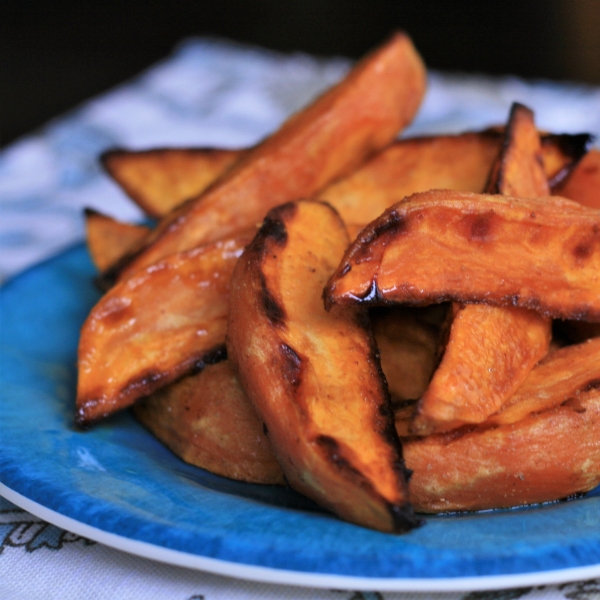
519	169
326	140
491	349
166	322
207	420
160	179
543	457
563	375
108	239
537	253
314	377
583	185
487	357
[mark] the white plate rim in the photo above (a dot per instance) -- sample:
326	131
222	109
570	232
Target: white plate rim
297	578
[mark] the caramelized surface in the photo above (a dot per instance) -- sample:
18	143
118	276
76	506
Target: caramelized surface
313	376
326	140
167	321
491	349
442	245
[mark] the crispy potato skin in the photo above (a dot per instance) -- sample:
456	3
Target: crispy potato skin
326	140
441	245
161	179
208	421
109	239
543	457
167	321
314	377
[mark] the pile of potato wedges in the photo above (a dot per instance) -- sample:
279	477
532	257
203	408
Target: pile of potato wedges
390	327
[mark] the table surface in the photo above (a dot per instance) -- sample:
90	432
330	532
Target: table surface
208	93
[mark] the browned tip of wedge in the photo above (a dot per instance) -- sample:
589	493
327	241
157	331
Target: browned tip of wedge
339	130
442	245
520	168
314	377
108	239
160	179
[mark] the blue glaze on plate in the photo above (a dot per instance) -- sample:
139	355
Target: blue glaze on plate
118	478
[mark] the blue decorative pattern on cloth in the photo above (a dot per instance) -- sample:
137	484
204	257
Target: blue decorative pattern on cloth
208	93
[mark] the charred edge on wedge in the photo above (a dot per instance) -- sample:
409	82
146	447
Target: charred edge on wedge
144	384
272	234
495	182
593	384
402	516
385	410
389	225
574	146
291	366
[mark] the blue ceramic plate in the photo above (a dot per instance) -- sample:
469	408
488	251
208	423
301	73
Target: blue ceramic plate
118	485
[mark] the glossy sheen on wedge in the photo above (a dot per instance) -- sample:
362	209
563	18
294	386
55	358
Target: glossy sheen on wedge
326	140
160	179
207	420
491	349
538	253
548	456
562	376
108	239
314	377
583	185
166	322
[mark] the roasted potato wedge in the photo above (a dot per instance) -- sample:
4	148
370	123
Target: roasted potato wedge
207	420
583	185
161	179
326	140
108	239
441	245
519	170
166	322
543	457
563	375
314	377
491	349
487	357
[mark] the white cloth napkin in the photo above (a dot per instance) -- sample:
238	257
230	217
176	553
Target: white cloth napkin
208	93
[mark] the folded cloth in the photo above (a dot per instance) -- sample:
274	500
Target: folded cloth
208	93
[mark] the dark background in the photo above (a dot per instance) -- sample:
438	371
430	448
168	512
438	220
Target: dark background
55	54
